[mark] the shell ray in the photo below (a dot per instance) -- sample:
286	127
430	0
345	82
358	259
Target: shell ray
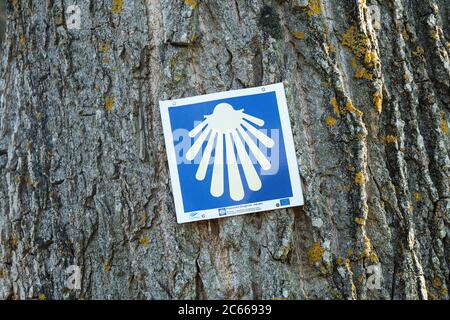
216	188
203	166
265	140
192	152
260	157
234	177
253	180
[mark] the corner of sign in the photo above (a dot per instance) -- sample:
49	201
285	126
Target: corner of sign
302	201
164	104
179	221
279	85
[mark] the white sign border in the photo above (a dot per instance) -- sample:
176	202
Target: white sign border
297	194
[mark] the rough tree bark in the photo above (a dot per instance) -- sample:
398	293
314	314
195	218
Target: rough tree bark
84	178
2	21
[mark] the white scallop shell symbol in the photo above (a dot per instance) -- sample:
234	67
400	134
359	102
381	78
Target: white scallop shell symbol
228	124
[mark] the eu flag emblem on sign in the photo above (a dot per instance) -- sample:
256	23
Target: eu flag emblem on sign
231	152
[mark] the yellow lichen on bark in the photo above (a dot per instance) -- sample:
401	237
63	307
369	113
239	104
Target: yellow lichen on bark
144	241
377	99
418	52
370	58
299	35
109	103
359	45
315	252
363	73
330	121
329	48
405	35
417	196
356	41
13	241
22	40
313	8
388	139
367	247
359	178
335	105
104	47
434	35
373	257
191	3
351	108
360	279
349	252
437	283
107	266
117	6
444	124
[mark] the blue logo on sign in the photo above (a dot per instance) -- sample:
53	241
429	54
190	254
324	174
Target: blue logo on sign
235	154
222	212
284	202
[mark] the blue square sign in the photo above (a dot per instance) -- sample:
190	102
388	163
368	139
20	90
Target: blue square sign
231	153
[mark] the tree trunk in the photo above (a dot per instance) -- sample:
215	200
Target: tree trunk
2	22
84	176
